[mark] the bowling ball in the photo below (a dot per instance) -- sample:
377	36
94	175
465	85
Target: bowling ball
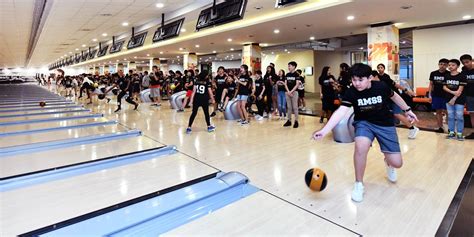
101	96
172	86
316	179
42	103
96	85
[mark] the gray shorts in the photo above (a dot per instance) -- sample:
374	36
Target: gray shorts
470	104
155	92
386	136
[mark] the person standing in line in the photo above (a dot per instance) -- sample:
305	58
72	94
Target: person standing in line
436	92
454	86
202	92
244	89
259	95
292	83
468	71
280	82
328	95
268	79
219	83
301	100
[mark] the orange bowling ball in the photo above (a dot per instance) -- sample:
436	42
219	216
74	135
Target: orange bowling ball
316	179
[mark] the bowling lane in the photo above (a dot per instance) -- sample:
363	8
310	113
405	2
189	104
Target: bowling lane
285	154
39	112
26	163
58	135
44	116
48	203
264	215
23	127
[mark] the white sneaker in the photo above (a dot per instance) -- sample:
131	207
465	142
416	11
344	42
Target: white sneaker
413	132
358	192
259	118
391	173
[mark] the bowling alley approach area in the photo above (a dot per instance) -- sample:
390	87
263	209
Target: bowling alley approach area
236	118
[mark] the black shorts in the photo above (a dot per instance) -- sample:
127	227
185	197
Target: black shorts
218	95
300	93
136	88
328	104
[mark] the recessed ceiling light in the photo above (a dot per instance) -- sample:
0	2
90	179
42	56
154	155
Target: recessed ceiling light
161	52
83	45
404	42
214	51
350	18
135	57
231	49
117	60
77	49
125	24
361	48
183	30
160	5
148	55
311	38
276	31
286	50
124	59
229	40
180	49
466	17
197	45
104	34
94	40
177	56
70	52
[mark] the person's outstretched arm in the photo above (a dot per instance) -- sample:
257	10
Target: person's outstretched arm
333	121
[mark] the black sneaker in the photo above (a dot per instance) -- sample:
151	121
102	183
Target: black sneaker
440	130
296	125
287	124
321	120
213	114
136	107
108	100
471	136
117	110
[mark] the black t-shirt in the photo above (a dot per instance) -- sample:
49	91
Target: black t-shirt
345	81
268	81
453	83
231	87
259	85
470	81
190	81
153	80
122	83
179	83
372	104
220	82
202	93
291	80
68	82
281	87
301	87
245	90
389	82
327	87
437	78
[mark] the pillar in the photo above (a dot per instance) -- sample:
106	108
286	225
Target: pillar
164	66
252	56
383	47
190	61
153	62
132	66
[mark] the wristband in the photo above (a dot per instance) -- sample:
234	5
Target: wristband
409	109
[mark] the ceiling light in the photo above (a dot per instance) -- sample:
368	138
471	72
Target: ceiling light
70	52
160	5
361	48
276	31
286	50
273	52
404	42
350	18
65	55
231	49
177	56
135	57
229	40
311	38
83	45
180	49
117	60
214	51
77	49
104	34
161	52
124	59
264	45
148	55
183	30
94	40
197	45
125	24
466	17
